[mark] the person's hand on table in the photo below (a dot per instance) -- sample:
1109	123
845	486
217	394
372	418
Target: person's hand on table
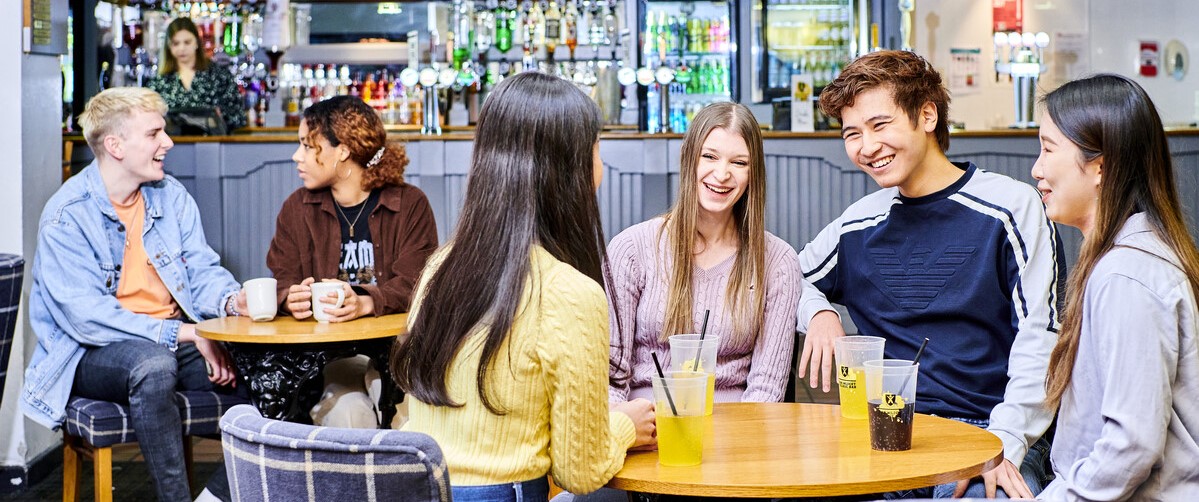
299	299
642	413
355	306
220	365
1007	476
240	305
823	329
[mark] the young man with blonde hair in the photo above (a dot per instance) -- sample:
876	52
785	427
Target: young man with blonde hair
121	273
945	251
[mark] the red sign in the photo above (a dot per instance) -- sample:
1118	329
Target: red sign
1007	15
1150	56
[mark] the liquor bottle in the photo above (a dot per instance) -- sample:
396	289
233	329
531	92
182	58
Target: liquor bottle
332	82
650	36
537	21
484	31
306	93
503	27
529	30
344	83
553	28
463	36
663	31
571	27
595	26
368	89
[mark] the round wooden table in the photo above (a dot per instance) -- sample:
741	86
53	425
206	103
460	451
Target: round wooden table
765	450
281	360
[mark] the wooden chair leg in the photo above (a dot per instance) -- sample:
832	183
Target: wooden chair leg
187	461
70	469
102	466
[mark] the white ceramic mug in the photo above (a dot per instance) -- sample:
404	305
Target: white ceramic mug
260	298
324	289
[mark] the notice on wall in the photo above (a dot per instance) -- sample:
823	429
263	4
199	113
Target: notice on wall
1071	59
1150	58
44	27
802	113
1007	15
965	65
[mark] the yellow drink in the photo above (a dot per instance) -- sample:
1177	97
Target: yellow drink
852	382
680	439
711	394
690	365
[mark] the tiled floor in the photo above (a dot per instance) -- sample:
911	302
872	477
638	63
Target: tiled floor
130	480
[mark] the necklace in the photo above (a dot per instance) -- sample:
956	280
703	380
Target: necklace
343	215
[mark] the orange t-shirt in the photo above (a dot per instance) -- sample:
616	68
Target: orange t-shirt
140	290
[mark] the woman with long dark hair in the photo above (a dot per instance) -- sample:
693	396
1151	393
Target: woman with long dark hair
506	352
187	78
1125	371
357	221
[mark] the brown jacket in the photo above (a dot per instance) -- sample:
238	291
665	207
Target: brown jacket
307	243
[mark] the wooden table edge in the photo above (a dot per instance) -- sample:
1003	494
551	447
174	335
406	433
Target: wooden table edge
205	331
780	491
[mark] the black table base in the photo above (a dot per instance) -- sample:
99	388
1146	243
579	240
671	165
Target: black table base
285	380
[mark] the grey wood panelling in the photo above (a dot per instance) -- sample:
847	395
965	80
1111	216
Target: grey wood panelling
240	186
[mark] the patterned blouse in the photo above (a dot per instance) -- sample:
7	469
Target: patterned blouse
212	87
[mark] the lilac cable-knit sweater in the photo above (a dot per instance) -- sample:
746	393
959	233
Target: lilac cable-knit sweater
753	370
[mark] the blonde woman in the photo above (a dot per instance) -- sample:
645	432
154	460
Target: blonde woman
710	252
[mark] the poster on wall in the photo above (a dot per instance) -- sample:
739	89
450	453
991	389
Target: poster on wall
803	113
1007	15
1071	59
44	27
964	70
1149	59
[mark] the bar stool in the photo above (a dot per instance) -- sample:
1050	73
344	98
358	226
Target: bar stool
93	427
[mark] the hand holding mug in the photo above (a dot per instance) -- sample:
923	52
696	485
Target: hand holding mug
351	306
299	299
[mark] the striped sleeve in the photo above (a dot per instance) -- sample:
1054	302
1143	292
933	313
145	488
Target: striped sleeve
1033	242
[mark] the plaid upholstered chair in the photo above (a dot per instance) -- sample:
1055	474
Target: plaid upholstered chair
270	460
93	427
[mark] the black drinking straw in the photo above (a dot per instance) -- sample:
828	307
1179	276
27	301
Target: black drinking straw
915	360
664	386
703	329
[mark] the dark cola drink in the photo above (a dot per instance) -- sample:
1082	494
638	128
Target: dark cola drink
890	424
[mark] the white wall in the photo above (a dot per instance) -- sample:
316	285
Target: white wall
31	140
1113	29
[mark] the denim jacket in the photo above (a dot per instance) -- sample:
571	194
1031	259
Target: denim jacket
76	269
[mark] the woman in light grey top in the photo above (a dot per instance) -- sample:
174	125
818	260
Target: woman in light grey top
1125	371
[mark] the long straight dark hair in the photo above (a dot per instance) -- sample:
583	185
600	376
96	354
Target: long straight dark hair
531	183
1110	117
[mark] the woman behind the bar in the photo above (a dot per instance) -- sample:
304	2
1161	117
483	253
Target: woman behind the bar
1125	371
505	362
355	220
188	79
712	252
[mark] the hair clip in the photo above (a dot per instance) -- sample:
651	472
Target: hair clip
378	156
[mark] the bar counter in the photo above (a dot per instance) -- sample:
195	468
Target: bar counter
240	181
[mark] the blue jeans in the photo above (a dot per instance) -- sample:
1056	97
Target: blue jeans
1035	470
534	490
145	375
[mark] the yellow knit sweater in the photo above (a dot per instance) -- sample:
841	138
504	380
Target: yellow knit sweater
551	375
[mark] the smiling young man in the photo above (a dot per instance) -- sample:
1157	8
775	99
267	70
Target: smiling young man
120	273
945	251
